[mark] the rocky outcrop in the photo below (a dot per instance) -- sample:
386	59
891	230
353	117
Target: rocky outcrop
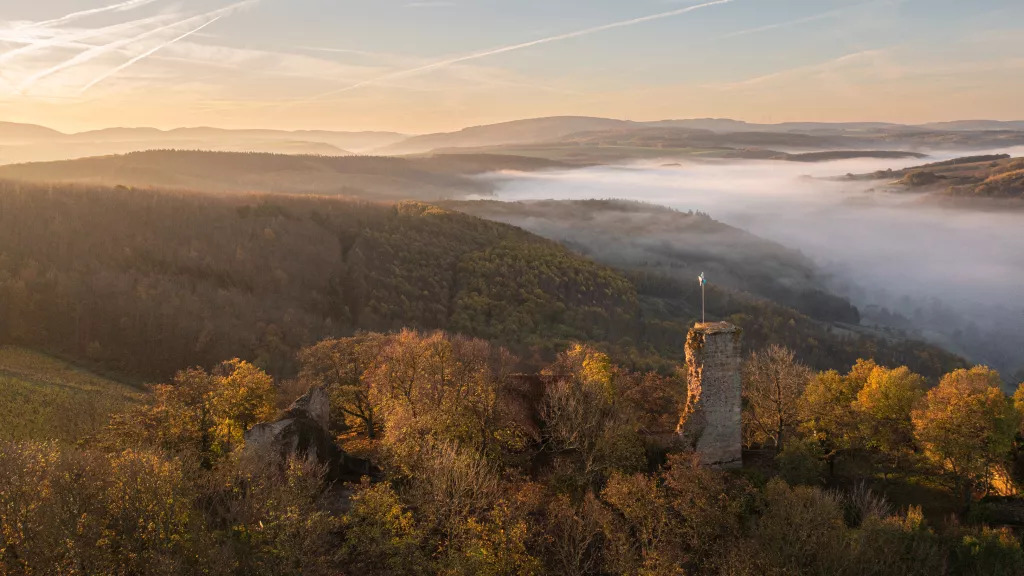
301	432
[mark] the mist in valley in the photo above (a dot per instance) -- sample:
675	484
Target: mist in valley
948	273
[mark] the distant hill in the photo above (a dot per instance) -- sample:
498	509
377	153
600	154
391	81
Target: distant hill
647	237
540	137
516	132
726	125
29	143
974	125
365	177
859	135
13	133
356	141
145	282
985	176
653	143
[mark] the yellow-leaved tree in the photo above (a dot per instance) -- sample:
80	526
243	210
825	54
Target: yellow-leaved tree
243	396
199	413
966	426
825	410
883	408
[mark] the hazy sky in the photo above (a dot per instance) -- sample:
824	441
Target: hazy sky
430	65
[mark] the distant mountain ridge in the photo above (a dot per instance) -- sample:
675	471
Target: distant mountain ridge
13	131
31	143
559	128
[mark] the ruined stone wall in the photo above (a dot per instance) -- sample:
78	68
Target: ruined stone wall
711	422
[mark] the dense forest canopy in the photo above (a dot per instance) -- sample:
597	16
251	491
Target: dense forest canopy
653	239
145	282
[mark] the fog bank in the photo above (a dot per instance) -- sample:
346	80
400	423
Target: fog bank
954	275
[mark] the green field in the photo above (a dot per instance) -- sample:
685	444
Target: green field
43	398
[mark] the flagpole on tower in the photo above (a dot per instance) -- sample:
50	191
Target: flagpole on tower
703	313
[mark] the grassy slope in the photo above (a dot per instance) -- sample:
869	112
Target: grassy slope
42	398
994	176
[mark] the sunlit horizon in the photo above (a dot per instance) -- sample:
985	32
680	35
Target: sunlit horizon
418	67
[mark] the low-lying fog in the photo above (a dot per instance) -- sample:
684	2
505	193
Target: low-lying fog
956	274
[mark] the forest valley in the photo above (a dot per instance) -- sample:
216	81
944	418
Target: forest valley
515	404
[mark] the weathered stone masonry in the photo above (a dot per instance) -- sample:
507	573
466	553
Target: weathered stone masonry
711	421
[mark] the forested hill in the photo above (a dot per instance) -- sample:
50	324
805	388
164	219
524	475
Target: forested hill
649	238
147	282
377	178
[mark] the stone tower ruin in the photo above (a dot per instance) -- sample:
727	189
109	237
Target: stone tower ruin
711	421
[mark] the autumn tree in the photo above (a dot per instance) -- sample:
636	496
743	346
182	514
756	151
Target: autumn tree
800	530
587	415
381	534
447	388
705	510
244	396
641	534
966	426
773	382
198	412
884	405
825	409
503	542
1018	404
340	367
575	534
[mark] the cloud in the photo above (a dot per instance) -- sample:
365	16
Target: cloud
428	4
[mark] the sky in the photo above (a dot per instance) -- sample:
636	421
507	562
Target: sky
418	66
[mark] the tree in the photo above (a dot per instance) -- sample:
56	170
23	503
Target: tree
1018	404
339	366
966	426
587	416
825	409
800	530
244	395
575	534
772	385
643	521
381	535
884	405
446	388
198	412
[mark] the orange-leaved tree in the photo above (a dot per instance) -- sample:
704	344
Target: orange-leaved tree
966	426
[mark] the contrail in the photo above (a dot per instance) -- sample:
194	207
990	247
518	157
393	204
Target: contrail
147	54
493	52
128	5
807	19
98	51
69	40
